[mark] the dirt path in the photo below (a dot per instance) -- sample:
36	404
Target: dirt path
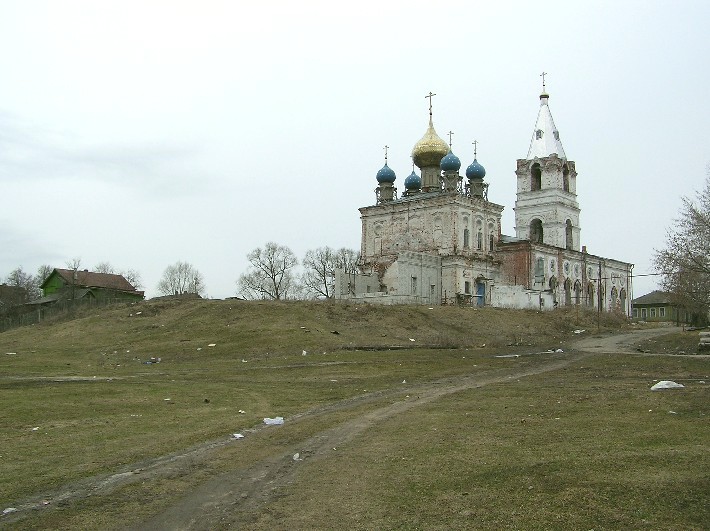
236	497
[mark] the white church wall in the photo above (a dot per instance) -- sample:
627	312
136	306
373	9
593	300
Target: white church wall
521	298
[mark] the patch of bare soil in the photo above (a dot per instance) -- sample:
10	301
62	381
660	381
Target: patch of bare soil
237	497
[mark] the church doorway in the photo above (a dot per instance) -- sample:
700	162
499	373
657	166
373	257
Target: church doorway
480	293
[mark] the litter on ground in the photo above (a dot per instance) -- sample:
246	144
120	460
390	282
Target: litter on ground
304	353
236	436
666	384
297	457
212	345
242	412
276	421
412	339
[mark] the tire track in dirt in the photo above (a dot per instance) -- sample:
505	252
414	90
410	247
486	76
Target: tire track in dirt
236	498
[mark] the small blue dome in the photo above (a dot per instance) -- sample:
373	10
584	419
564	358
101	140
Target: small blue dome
450	162
475	171
386	175
413	181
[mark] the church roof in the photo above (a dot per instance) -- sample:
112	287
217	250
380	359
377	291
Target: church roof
545	138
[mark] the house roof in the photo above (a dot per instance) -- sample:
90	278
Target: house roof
655	297
88	279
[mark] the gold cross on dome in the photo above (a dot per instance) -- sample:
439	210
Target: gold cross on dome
430	96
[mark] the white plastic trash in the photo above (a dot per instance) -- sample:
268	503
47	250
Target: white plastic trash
276	421
666	384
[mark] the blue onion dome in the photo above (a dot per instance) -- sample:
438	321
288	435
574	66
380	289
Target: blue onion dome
430	149
475	172
386	175
413	181
450	162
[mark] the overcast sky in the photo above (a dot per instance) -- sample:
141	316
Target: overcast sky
141	133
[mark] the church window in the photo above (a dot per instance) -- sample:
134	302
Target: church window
466	238
556	134
565	178
538	134
467	287
479	241
536	177
536	231
569	244
414	285
491	241
540	270
568	292
622	298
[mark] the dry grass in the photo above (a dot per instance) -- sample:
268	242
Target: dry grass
466	460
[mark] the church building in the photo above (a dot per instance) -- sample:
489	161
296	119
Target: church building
440	242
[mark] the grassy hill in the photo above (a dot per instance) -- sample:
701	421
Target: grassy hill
86	398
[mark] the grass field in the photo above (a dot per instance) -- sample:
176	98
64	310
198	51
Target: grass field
402	417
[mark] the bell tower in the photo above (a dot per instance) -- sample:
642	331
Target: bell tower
546	208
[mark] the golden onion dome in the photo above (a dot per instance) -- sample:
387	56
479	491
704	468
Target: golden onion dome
430	149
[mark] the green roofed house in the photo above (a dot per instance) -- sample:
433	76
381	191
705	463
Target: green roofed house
659	306
68	284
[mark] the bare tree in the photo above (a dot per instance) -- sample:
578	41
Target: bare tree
43	273
180	278
270	275
685	262
20	279
104	267
133	277
320	264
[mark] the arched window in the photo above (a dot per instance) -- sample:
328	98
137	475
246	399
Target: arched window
614	298
622	300
565	178
491	241
536	177
479	240
568	292
466	238
536	231
590	294
540	270
569	244
577	292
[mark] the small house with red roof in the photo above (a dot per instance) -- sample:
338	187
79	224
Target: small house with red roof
69	284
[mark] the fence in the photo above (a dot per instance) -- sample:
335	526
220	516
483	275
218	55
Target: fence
66	309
